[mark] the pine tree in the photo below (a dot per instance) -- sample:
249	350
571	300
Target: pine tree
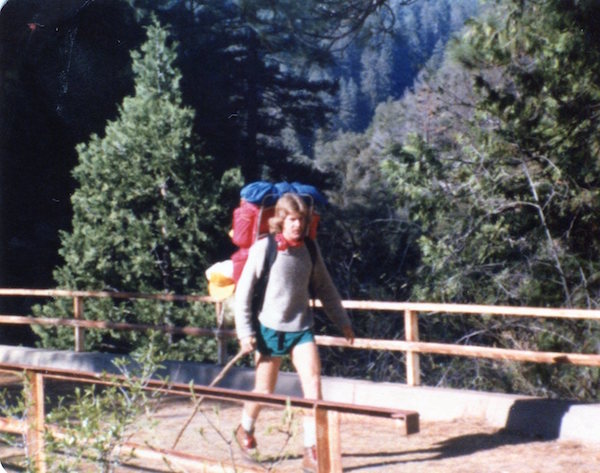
144	208
348	106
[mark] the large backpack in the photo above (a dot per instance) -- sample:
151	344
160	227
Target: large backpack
257	205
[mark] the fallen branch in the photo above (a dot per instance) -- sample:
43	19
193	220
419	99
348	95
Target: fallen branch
214	382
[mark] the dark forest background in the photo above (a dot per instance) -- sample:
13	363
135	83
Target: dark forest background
66	66
456	142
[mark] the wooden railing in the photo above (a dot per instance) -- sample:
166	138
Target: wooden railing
79	323
411	312
327	417
413	347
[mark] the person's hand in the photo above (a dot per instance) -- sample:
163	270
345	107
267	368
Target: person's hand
348	334
248	344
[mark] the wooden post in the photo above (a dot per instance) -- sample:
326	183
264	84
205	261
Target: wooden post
329	451
79	332
221	343
411	330
34	436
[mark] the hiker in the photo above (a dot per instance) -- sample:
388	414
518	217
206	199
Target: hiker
285	321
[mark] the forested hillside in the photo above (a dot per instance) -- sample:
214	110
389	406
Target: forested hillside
489	166
381	67
460	160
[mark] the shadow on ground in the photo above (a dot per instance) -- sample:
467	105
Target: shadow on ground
535	415
463	445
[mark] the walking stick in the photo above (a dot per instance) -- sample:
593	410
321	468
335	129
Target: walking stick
217	379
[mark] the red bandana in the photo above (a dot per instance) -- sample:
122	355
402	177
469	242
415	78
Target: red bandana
283	244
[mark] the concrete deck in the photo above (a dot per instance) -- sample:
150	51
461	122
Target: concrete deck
536	417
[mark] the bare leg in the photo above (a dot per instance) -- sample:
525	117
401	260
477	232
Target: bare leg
267	369
308	366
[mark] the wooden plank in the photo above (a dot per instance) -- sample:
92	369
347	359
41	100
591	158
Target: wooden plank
79	332
476	309
329	452
472	309
184	389
411	331
131	453
408	422
12	426
36	420
579	359
349	304
322	440
335	441
104	294
103	324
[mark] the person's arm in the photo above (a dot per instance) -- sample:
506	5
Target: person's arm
243	295
329	296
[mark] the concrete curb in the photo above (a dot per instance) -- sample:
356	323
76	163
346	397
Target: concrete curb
536	417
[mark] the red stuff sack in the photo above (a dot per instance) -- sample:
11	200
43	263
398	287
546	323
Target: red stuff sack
243	224
250	222
239	260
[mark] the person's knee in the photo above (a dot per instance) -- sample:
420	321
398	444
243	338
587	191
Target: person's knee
314	378
311	386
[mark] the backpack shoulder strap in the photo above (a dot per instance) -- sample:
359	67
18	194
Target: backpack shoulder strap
270	256
261	285
312	249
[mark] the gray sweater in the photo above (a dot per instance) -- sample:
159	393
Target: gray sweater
285	306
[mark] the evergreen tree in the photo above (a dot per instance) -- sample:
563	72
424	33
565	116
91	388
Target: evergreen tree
376	73
348	106
144	210
248	79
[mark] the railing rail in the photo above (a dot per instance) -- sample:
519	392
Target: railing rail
413	347
411	311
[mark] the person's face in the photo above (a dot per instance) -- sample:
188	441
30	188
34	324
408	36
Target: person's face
293	227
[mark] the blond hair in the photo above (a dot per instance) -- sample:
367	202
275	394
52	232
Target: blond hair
288	204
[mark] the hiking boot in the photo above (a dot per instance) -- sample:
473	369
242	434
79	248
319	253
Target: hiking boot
245	440
309	462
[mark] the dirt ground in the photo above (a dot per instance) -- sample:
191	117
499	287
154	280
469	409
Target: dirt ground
368	445
376	445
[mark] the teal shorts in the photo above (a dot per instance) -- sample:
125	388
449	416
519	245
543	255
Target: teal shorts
276	343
